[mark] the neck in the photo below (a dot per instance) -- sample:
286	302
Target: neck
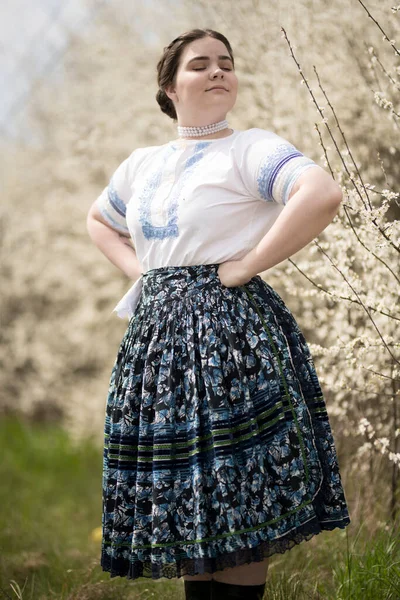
202	130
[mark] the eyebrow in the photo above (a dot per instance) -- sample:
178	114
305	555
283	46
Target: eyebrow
221	57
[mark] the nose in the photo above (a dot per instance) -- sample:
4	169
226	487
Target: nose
217	72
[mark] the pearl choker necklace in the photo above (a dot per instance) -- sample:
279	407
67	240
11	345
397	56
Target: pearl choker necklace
202	129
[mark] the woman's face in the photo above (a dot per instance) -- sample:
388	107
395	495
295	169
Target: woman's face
196	103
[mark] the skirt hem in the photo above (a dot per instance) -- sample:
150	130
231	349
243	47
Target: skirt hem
201	566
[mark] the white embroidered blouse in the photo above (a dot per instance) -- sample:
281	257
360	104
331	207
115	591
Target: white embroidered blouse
191	202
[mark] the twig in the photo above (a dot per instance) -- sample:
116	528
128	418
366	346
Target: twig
323	117
380	374
391	42
367	392
361	302
368	249
337	296
385	71
354	230
342	133
397	248
324	149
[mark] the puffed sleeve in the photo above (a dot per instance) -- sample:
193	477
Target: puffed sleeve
113	200
270	165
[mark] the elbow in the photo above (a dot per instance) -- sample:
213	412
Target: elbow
91	218
323	188
89	221
333	198
335	195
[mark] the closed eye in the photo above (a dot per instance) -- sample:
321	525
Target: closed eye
202	69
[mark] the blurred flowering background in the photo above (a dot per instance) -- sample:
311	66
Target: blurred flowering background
79	95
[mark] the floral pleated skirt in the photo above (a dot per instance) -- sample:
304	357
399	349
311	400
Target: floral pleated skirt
218	447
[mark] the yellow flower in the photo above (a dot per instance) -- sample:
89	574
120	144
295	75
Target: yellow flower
97	534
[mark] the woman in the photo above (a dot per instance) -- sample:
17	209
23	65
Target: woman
218	448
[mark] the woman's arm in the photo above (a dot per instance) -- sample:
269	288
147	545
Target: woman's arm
114	245
313	203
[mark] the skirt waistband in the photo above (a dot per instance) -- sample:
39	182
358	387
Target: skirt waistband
171	283
164	283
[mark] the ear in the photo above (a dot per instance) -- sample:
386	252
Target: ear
170	91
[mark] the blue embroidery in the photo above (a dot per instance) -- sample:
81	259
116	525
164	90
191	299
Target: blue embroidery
115	201
108	217
147	195
171	229
271	166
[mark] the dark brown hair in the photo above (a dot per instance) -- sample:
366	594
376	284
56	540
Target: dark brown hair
168	64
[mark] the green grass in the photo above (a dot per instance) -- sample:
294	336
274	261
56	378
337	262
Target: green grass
50	497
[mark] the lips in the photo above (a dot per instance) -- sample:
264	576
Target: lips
217	87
